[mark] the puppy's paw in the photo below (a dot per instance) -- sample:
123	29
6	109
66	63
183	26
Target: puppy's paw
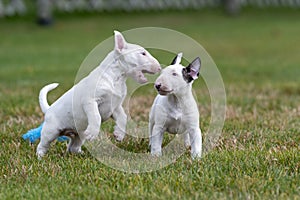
187	142
90	135
79	152
75	150
119	135
196	155
40	154
156	153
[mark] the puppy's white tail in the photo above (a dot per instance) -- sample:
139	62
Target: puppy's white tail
43	96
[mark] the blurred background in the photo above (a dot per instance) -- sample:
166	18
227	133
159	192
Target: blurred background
45	8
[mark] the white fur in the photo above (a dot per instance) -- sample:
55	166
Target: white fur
96	98
175	111
43	96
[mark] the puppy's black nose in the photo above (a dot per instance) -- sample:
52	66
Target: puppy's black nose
157	86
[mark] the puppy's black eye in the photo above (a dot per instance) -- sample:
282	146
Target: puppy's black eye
143	53
174	74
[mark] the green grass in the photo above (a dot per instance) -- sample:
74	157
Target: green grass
257	156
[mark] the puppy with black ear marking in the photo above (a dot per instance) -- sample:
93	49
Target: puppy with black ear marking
174	109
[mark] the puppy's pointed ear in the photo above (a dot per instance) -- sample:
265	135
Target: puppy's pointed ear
191	72
195	68
177	59
120	42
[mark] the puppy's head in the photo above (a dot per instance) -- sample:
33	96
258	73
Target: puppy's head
134	59
175	77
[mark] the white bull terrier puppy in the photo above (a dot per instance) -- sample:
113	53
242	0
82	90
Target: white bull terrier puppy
80	111
174	109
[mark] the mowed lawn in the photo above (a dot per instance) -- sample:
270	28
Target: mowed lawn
257	156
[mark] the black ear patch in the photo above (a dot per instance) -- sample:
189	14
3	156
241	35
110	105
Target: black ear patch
186	76
177	59
191	72
174	60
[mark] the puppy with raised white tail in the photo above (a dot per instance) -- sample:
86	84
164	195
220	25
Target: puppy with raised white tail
80	111
174	109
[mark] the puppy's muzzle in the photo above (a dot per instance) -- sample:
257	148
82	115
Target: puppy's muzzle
161	89
157	86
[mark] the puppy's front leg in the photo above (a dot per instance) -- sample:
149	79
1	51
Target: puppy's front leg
156	140
94	120
196	143
121	119
187	141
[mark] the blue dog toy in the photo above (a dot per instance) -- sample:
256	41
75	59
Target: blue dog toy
35	134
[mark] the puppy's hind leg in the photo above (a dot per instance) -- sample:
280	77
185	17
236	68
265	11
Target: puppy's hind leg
48	134
75	144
